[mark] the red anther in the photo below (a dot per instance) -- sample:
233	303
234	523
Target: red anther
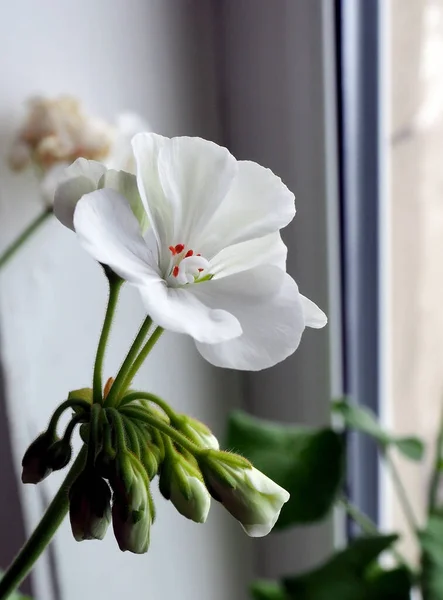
175	271
179	248
201	270
189	253
198	255
172	249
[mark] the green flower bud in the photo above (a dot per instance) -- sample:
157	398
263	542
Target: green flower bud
35	460
59	455
89	506
249	495
132	509
187	491
196	431
151	458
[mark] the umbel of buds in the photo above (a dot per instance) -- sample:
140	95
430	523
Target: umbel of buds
129	444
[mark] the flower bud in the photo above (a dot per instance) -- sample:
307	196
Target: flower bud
187	491
248	494
89	506
151	458
59	455
197	432
35	460
132	509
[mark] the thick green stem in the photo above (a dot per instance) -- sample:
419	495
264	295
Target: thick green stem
142	415
142	357
118	385
43	534
435	479
22	238
115	284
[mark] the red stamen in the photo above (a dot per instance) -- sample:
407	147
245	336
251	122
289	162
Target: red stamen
172	249
201	270
198	254
189	253
175	271
179	248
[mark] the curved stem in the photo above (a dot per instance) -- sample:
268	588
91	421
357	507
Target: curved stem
64	406
117	386
142	357
151	398
23	237
132	435
145	416
115	284
43	533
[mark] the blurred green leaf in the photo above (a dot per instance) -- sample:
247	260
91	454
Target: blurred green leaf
268	590
362	419
348	575
307	462
431	540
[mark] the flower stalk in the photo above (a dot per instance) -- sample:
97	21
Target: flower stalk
12	249
43	534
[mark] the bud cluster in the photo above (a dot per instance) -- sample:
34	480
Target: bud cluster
131	444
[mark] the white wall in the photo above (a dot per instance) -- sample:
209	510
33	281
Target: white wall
153	57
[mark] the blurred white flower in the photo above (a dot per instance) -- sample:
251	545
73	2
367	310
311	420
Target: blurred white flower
58	131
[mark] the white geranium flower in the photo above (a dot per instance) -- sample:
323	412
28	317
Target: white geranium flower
212	263
255	500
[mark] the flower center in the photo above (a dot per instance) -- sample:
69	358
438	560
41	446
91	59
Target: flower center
186	266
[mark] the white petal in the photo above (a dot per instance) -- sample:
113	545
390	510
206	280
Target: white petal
258	203
193	174
126	185
78	179
267	304
146	148
109	231
314	316
267	250
179	310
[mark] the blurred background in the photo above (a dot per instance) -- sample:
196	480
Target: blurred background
341	98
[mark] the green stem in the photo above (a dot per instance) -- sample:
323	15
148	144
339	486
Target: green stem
94	430
435	479
117	386
142	357
151	398
119	429
366	525
23	237
64	406
146	417
43	534
401	493
115	284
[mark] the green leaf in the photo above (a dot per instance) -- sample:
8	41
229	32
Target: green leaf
307	462
349	575
431	540
362	419
268	590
